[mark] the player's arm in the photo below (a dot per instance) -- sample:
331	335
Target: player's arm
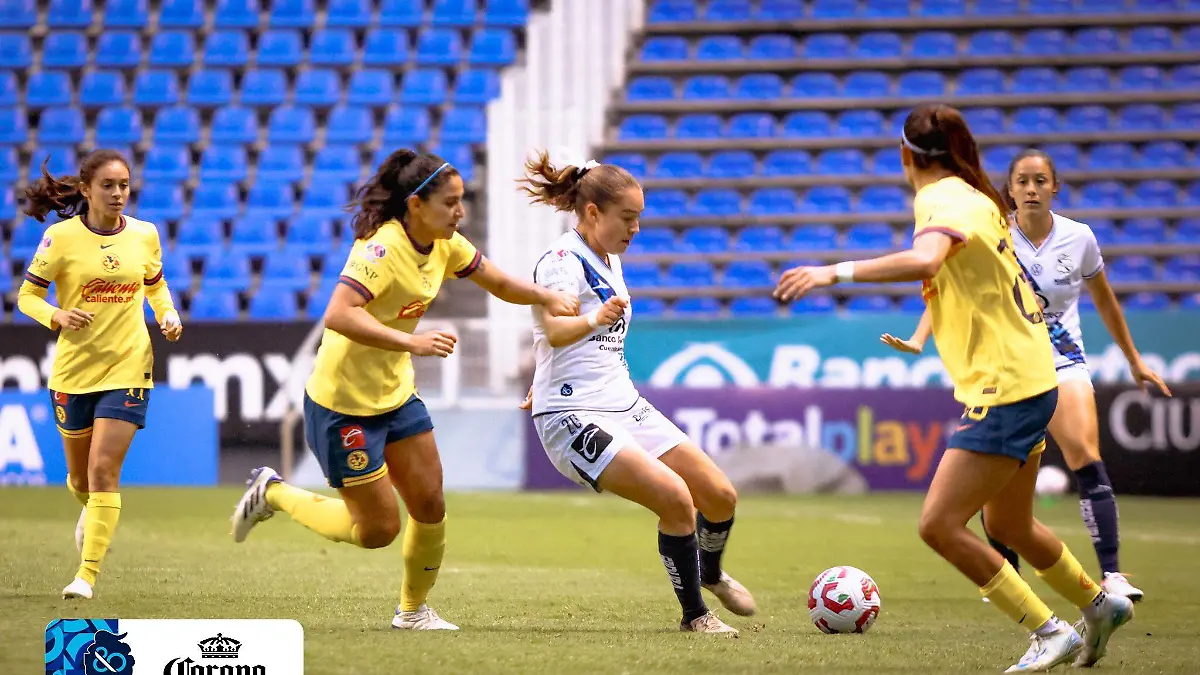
1109	309
31	297
159	295
567	330
916	343
930	249
516	291
346	313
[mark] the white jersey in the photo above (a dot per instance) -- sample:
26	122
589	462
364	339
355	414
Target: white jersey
1057	270
590	374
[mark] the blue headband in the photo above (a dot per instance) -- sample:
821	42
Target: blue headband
917	149
427	180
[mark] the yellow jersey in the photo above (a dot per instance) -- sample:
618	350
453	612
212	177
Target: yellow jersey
109	274
399	281
986	320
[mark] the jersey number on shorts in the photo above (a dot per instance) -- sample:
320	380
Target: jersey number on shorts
591	442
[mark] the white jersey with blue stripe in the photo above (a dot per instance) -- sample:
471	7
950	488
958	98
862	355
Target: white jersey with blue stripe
1057	269
590	374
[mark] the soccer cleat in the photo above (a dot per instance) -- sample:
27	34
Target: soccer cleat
709	623
423	618
1046	652
733	596
77	589
1115	611
1115	583
253	508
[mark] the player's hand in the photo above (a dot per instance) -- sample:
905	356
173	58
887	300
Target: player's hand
1142	375
527	404
171	326
909	346
611	310
561	303
432	343
72	319
798	281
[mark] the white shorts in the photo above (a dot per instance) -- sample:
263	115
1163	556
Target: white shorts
1074	372
581	443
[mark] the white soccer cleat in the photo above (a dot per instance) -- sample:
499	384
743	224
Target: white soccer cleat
1045	653
423	618
709	623
253	508
77	589
733	596
1115	611
1115	583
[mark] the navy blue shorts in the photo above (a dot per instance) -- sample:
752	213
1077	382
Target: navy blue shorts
1016	430
75	413
350	448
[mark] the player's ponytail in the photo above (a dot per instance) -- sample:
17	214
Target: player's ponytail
571	188
937	134
64	195
385	196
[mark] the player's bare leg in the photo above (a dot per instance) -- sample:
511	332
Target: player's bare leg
76	447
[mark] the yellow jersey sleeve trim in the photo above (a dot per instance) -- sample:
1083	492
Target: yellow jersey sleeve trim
357	286
36	280
471	267
957	235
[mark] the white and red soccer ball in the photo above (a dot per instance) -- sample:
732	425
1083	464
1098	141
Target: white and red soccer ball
843	600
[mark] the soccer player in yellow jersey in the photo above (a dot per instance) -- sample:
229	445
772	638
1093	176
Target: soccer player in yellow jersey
104	266
993	340
363	418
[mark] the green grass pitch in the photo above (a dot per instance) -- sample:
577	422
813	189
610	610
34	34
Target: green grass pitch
571	583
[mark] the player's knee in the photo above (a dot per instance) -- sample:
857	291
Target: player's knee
934	531
1009	532
79	483
428	507
676	507
725	496
380	534
103	474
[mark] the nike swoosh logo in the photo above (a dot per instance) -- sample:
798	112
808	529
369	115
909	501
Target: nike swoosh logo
104	246
430	569
964	427
131	405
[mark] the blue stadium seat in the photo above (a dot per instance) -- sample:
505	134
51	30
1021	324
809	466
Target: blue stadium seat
61	14
270	303
226	49
679	165
845	161
879	45
1087	118
493	47
933	44
780	10
512	13
760	239
991	43
1104	229
649	307
234	124
175	124
424	86
284	164
1187	231
10	171
51	88
227	270
887	162
476	86
280	48
1146	117
309	235
1102	195
867	84
210	88
816	85
870	303
371	88
632	162
1045	41
1155	194
640	127
349	125
653	241
747	274
980	82
719	48
119	126
236	14
942	8
199	237
10	94
813	304
348	14
327	200
653	88
774	48
699	125
731	164
760	86
1185	78
224	163
61	50
172	49
159	202
211	304
102	88
1111	156
751	125
882	198
705	240
1189	39
984	121
922	83
787	163
270	201
154	88
405	13
119	49
1158	5
690	275
1141	78
333	262
283	271
27	234
1146	302
1087	79
1142	231
332	47
1185	117
181	14
1066	156
697	307
336	164
914	304
885	9
826	199
1100	6
1151	39
319	88
8	211
665	49
642	275
16	52
1035	80
177	270
1035	120
125	14
1095	41
291	124
213	200
61	126
318	299
464	124
1133	269
706	87
773	202
1051	7
834	9
264	88
728	10
60	160
716	202
1192	197
292	14
386	47
454	12
406	125
826	46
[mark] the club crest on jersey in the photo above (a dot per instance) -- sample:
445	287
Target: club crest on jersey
373	252
357	460
1065	264
566	390
1036	269
44	245
111	263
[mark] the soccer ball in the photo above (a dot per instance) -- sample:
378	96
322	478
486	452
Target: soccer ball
1051	481
843	600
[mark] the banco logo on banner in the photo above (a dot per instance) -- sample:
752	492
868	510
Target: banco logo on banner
700	366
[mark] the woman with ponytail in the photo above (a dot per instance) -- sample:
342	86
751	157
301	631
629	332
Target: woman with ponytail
104	266
363	418
992	337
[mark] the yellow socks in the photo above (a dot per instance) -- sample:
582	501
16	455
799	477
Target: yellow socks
1068	579
423	548
81	497
1009	593
327	516
103	512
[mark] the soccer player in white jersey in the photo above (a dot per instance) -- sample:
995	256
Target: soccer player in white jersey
594	425
1060	256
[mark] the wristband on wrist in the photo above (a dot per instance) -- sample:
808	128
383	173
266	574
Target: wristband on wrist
593	318
844	272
